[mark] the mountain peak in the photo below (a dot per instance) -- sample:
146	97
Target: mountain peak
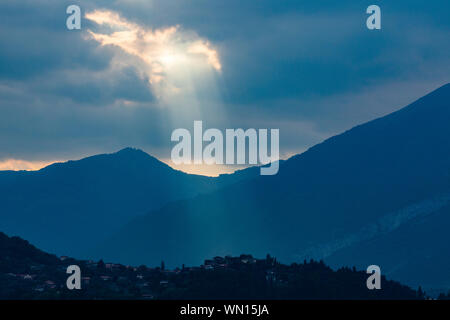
133	153
136	156
131	150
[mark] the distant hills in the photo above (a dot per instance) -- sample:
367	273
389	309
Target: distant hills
376	194
67	208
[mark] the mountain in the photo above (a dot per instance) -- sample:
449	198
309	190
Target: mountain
67	208
384	180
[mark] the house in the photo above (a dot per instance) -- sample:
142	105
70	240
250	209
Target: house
209	262
232	260
219	260
270	276
50	284
247	258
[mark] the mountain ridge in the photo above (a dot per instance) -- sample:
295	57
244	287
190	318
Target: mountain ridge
94	195
333	189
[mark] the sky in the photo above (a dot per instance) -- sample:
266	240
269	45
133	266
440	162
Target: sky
138	69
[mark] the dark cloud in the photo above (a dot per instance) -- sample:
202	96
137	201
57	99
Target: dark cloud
308	67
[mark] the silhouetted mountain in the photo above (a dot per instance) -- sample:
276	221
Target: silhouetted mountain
386	178
18	255
28	273
69	207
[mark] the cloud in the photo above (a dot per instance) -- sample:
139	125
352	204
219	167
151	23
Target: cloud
138	69
16	165
161	52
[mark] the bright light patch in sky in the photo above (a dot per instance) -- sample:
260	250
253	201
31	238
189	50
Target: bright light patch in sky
137	69
16	165
170	56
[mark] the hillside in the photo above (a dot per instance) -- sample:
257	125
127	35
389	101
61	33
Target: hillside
364	183
67	208
28	273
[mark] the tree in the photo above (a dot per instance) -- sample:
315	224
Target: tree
420	293
101	264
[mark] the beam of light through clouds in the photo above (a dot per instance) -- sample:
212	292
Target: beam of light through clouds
170	57
138	69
